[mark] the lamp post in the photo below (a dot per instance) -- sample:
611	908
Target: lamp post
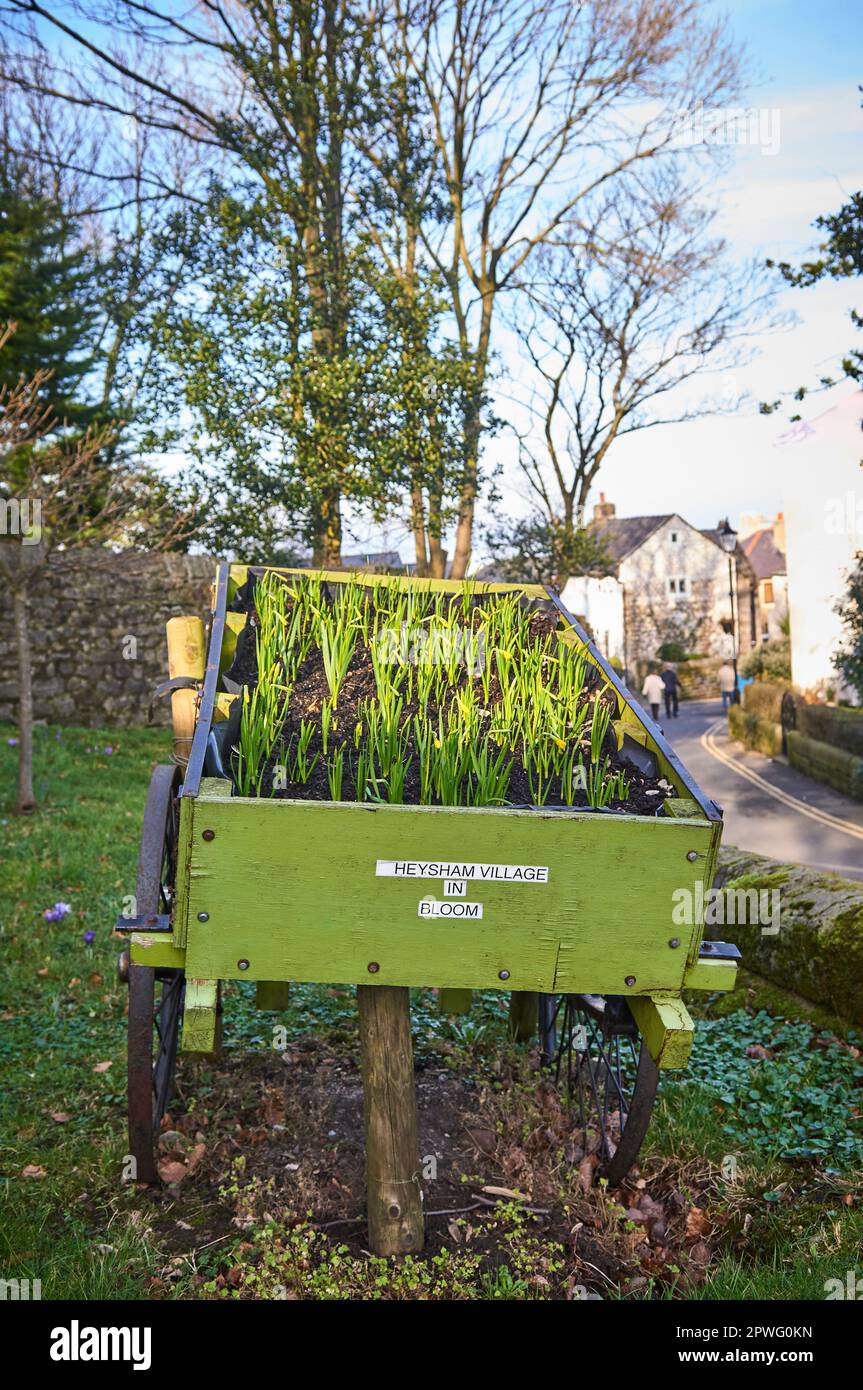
728	540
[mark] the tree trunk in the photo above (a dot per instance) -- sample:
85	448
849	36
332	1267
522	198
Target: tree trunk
26	799
437	555
419	530
392	1151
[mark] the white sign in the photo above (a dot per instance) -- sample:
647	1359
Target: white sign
477	873
432	907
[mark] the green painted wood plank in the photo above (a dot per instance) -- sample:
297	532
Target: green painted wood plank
667	1029
711	975
291	887
157	950
200	1016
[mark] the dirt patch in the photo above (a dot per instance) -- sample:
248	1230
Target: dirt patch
280	1148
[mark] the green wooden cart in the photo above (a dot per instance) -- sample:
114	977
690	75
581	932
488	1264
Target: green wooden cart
573	911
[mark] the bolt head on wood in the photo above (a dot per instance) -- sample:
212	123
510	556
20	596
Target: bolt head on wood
503	975
674	943
373	967
242	965
692	855
630	980
203	916
208	834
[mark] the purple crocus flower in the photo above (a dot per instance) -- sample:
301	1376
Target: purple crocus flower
89	937
109	750
13	742
57	912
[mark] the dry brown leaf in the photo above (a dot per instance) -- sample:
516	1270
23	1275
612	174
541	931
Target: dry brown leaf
171	1171
698	1223
195	1157
508	1192
102	1066
33	1170
586	1170
60	1117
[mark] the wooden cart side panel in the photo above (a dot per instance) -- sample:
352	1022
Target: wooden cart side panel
290	887
240	573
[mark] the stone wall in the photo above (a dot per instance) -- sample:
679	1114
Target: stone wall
818	950
97	628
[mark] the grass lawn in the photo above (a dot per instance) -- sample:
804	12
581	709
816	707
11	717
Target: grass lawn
749	1186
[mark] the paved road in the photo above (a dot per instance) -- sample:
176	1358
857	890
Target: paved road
769	807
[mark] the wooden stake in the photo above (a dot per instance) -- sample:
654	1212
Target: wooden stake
392	1153
186	657
523	1015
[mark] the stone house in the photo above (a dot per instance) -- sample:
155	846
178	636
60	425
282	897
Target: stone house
763	543
669	583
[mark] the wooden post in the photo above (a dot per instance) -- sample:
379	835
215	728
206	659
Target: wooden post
186	657
523	1015
392	1152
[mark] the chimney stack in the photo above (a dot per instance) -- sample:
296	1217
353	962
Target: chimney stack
603	511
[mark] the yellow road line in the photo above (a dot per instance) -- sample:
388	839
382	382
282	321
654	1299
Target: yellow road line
834	822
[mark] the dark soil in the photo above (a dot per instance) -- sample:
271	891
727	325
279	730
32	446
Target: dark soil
310	691
294	1121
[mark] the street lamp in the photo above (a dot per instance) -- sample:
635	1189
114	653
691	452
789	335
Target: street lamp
727	538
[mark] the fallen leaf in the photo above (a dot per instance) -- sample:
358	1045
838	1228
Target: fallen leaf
95	979
195	1157
763	1054
43	973
103	1066
60	1117
698	1224
700	1253
33	1170
508	1192
586	1169
171	1171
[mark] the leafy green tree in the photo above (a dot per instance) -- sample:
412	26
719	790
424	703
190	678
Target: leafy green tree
47	288
849	659
536	550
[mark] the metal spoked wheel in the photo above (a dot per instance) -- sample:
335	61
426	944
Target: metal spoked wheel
155	996
591	1048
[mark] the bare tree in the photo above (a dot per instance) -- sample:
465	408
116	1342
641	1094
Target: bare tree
613	339
56	494
534	106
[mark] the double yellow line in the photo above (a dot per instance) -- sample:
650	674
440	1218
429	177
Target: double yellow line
708	743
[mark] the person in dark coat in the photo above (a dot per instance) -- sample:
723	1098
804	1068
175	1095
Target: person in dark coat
672	691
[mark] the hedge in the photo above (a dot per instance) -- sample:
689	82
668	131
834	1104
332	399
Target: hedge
755	730
836	768
838	726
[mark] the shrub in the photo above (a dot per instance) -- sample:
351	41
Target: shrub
770	661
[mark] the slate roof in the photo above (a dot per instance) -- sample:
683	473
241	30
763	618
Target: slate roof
765	558
620	535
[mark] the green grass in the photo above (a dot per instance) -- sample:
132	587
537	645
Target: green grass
785	1226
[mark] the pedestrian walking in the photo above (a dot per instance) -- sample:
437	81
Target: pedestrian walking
654	689
726	685
672	691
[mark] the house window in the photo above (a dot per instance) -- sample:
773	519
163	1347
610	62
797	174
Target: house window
768	591
677	586
674	538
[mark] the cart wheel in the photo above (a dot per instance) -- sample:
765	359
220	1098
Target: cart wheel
155	996
592	1048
